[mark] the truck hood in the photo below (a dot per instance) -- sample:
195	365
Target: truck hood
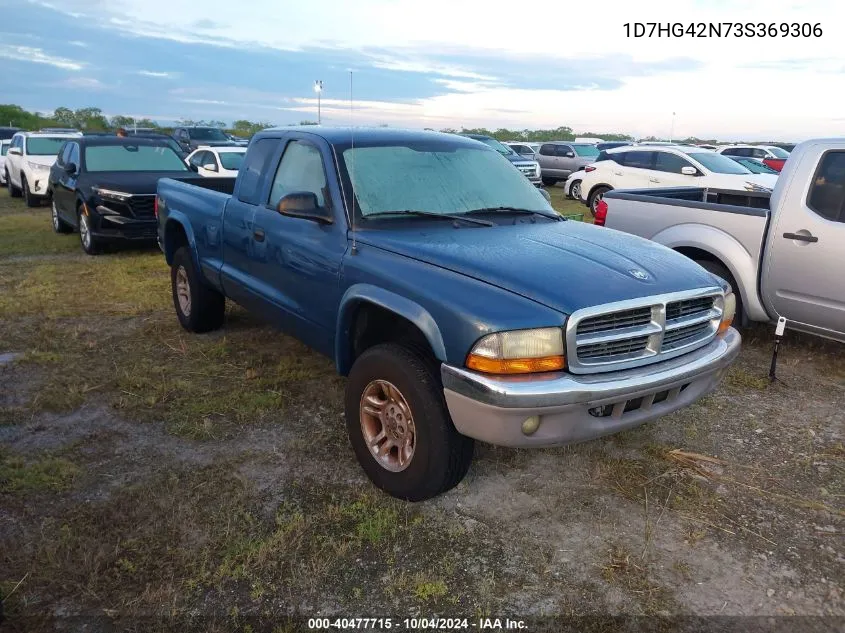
516	159
131	182
563	265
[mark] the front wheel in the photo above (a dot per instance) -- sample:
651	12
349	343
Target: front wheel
28	198
596	197
399	425
90	244
59	225
575	190
199	307
14	192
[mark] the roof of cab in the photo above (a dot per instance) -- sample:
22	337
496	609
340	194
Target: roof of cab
343	135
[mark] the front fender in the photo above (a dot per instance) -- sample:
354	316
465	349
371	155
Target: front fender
741	263
363	292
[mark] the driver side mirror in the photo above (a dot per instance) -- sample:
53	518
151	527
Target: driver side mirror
15	151
210	167
70	168
570	154
689	171
303	204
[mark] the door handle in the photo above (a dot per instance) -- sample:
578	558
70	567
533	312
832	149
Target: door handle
617	173
801	238
258	234
653	180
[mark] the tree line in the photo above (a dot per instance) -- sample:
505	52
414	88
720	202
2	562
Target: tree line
93	120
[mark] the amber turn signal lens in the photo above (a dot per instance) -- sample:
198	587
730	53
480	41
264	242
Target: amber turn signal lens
724	325
515	365
728	313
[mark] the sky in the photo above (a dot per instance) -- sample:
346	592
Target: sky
439	63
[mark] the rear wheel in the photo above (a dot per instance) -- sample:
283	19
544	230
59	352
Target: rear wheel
720	270
550	182
575	190
596	197
199	307
28	198
399	425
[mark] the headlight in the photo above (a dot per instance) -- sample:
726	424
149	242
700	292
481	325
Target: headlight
111	195
37	166
518	352
728	312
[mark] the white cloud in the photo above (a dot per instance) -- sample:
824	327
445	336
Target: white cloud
157	74
38	56
83	82
758	87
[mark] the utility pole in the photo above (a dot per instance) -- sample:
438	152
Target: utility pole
318	88
672	129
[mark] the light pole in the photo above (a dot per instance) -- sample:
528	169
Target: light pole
318	88
672	129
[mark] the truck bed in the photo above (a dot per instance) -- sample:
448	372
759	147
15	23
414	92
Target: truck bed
699	198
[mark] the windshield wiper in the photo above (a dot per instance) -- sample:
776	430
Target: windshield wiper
431	214
555	217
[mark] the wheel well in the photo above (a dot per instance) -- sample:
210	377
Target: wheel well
174	238
594	187
373	325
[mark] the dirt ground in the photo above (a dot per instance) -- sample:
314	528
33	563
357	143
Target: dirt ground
207	481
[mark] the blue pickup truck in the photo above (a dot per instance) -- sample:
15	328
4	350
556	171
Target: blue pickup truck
447	289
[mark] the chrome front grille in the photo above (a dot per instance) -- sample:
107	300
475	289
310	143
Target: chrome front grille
626	334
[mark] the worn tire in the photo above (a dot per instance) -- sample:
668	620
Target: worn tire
720	270
59	225
550	182
206	308
594	197
14	192
441	456
28	198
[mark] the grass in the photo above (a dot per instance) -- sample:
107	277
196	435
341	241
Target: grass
47	473
23	232
565	206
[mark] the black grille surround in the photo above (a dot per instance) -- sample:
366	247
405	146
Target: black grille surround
637	332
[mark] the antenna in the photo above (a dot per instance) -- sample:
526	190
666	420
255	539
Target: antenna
351	179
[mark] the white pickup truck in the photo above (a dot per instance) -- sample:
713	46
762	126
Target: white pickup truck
783	252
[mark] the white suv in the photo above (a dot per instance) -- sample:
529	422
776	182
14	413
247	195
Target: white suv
644	167
4	147
28	161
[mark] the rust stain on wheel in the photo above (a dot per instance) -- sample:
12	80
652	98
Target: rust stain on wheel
388	425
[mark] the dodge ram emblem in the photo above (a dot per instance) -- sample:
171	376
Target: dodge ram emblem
639	274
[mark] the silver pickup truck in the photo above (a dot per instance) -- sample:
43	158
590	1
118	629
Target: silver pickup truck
783	252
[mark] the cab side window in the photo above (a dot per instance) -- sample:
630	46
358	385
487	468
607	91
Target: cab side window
255	164
547	150
640	160
64	152
670	163
827	192
299	170
73	157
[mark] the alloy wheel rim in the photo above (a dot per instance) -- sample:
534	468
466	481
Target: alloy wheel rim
85	232
55	217
387	425
575	191
596	199
183	291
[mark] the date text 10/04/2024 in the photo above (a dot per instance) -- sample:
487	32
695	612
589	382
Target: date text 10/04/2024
748	30
417	624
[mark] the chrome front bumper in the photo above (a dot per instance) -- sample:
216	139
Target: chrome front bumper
574	408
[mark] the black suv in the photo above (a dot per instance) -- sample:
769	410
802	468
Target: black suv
191	137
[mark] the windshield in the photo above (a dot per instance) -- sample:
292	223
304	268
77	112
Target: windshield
44	145
587	151
778	152
755	167
207	134
717	163
436	177
231	160
132	158
496	145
